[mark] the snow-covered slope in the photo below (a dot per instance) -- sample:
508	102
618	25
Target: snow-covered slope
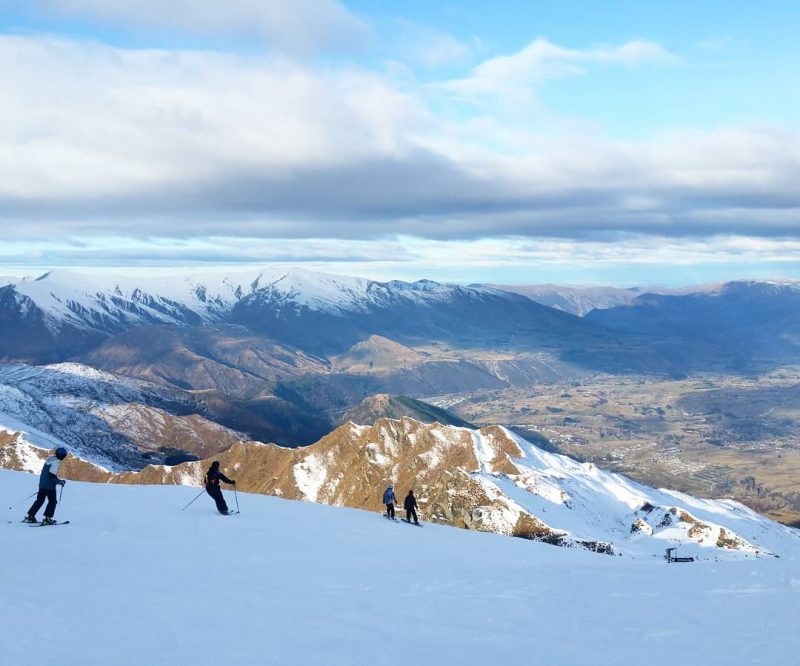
590	504
134	580
575	300
113	303
114	422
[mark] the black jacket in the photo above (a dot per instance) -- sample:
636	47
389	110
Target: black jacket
214	476
410	502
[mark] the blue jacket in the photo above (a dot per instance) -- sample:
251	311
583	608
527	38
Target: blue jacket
48	479
388	496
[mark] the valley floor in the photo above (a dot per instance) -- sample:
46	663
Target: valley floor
708	435
134	580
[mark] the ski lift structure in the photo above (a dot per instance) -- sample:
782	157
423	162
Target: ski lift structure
672	556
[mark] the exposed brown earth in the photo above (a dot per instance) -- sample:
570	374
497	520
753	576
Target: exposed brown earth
377	354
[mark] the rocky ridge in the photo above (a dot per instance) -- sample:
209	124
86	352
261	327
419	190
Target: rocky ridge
487	480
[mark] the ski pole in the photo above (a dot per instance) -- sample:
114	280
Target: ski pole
192	502
21	501
236	497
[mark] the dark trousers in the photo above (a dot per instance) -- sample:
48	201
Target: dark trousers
50	509
412	513
216	493
390	510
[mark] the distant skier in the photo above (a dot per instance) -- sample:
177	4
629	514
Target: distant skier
410	505
212	479
48	482
389	500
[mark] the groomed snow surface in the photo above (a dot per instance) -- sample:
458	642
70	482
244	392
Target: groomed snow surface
134	580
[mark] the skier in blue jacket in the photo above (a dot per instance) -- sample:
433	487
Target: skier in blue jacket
389	500
48	482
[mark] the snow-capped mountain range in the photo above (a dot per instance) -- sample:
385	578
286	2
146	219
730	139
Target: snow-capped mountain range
109	303
581	301
67	298
62	313
575	300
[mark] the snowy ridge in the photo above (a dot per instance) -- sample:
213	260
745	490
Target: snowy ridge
111	421
575	300
582	300
589	504
110	303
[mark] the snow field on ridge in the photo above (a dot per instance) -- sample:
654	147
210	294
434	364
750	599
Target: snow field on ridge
133	580
66	296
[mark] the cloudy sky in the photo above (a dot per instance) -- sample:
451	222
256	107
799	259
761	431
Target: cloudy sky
617	141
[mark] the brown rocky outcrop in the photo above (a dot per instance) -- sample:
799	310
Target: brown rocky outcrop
351	467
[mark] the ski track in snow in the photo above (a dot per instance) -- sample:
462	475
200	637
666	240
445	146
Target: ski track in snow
134	580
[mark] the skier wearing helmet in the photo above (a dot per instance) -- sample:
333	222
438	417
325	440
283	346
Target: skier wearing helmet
213	477
48	481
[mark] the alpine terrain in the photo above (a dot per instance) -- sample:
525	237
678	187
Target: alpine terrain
487	480
133	579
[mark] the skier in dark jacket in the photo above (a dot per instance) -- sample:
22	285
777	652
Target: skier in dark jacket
212	479
48	482
389	500
410	505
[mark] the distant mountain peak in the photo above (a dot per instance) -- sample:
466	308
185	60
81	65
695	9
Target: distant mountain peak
385	406
377	353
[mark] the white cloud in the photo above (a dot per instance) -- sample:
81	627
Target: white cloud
100	140
431	47
296	25
519	74
628	259
89	120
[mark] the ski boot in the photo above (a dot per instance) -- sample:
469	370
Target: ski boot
48	521
30	519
